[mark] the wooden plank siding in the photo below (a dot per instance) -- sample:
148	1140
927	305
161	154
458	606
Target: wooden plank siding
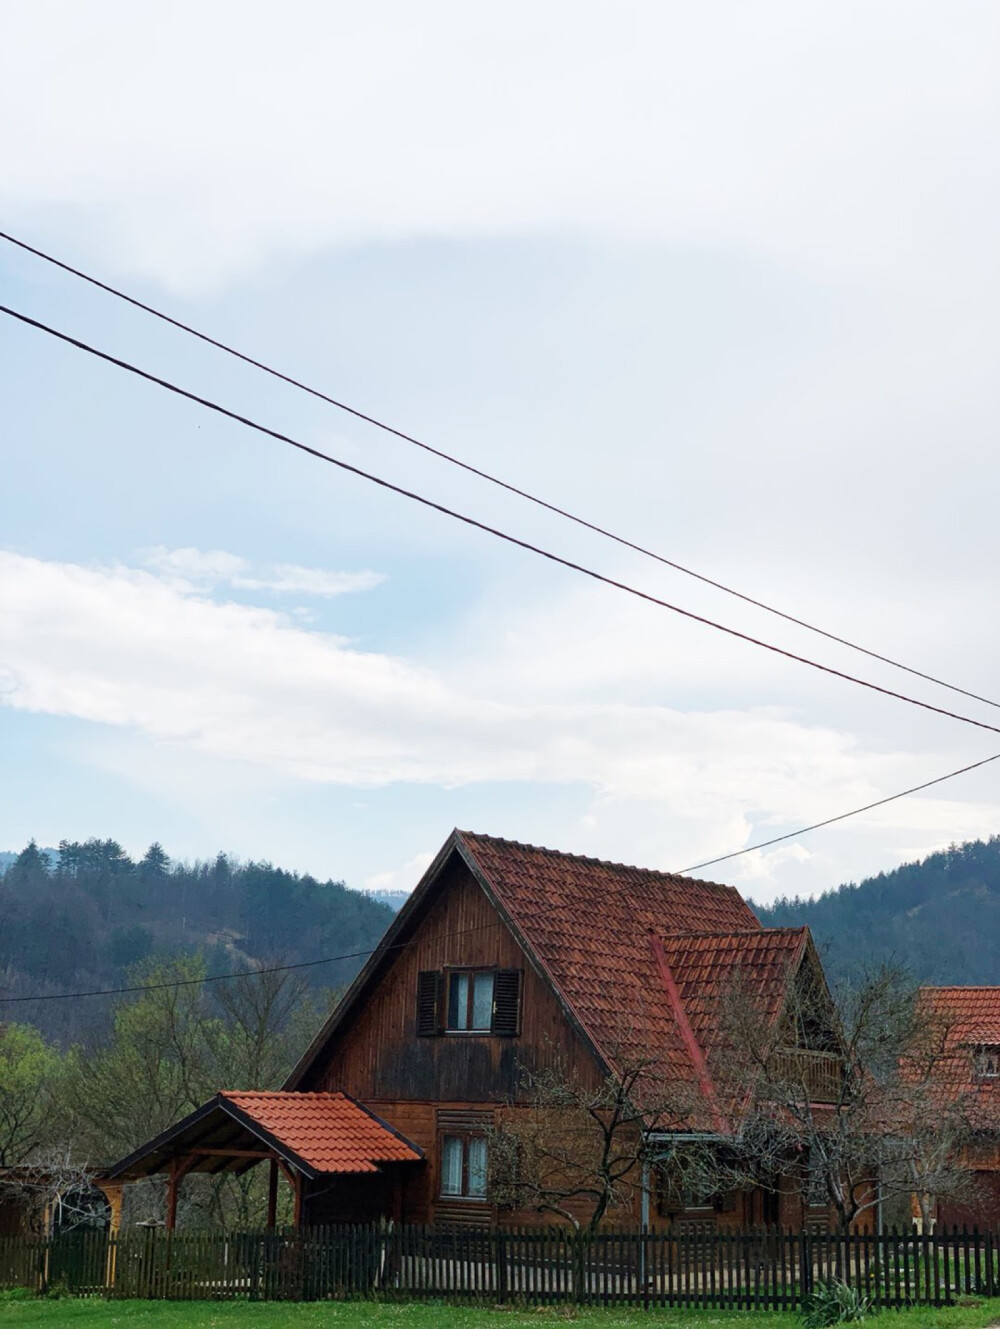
427	1086
380	1059
424	1086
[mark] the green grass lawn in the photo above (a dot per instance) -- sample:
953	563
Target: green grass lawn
96	1314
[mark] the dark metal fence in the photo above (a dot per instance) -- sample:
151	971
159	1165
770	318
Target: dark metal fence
768	1269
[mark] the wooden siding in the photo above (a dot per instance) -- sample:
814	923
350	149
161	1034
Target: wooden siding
379	1057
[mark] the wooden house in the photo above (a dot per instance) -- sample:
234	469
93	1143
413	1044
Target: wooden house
506	960
965	1022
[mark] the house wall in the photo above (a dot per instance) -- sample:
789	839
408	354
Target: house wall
381	1060
426	1087
982	1210
429	1086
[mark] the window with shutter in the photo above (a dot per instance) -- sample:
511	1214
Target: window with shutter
507	1002
428	1002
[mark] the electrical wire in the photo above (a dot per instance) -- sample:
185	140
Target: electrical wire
485	475
481	927
242	973
842	816
489	530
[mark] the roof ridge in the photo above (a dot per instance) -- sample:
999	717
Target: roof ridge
282	1093
959	987
736	932
585	858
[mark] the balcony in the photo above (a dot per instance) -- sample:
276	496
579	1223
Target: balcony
819	1073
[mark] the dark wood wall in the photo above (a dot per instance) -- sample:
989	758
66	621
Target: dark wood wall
424	1085
380	1059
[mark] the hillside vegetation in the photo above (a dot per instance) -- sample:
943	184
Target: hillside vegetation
940	917
85	915
87	918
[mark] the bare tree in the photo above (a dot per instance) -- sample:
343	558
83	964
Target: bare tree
575	1143
843	1098
172	1049
56	1190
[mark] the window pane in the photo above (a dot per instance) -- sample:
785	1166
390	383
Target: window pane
477	1166
482	1001
458	1001
451	1165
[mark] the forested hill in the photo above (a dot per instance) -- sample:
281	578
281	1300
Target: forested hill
81	918
940	917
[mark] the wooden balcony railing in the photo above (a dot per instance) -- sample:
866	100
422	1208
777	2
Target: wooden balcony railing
819	1073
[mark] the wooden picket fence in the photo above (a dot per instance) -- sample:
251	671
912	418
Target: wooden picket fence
769	1269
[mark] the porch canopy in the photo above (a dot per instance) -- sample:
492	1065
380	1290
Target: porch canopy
304	1136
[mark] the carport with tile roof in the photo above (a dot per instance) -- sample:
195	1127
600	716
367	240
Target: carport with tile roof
304	1137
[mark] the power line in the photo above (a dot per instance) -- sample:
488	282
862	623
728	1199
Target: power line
481	927
842	816
242	973
490	530
485	475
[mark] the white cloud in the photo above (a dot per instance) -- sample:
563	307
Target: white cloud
196	567
196	144
289	578
144	653
403	878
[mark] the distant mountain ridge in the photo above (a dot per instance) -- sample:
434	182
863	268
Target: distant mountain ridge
940	917
81	916
394	899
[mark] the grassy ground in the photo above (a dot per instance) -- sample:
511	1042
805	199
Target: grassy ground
95	1314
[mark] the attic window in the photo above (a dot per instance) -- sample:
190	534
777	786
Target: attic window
469	1001
986	1061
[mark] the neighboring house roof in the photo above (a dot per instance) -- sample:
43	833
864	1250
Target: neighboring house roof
599	933
960	1021
316	1133
710	966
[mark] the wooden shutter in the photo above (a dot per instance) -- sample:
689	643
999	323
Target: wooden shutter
507	1002
429	984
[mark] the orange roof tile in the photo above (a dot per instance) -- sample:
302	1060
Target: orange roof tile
706	966
330	1132
590	923
592	927
960	1020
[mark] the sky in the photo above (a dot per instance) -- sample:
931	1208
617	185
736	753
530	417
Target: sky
722	278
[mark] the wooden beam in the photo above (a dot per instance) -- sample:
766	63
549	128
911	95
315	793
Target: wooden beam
232	1153
299	1187
272	1196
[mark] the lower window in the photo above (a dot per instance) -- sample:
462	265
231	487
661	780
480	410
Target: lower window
463	1166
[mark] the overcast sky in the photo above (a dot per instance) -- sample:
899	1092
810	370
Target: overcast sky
723	277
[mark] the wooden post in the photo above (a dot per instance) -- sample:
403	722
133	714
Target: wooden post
173	1181
179	1168
272	1196
297	1215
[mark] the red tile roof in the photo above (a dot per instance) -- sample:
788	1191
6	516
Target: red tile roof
329	1132
960	1020
591	924
706	967
595	929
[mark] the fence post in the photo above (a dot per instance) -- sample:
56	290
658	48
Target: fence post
501	1258
643	1271
43	1267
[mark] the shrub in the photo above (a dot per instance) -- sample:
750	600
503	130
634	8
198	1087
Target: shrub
834	1302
